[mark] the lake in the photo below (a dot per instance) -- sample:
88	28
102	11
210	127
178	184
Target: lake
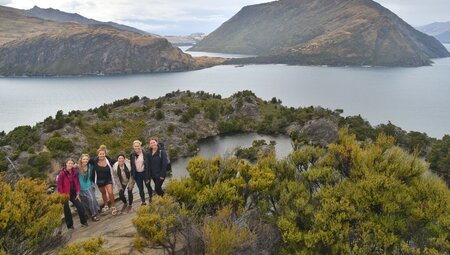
226	145
412	98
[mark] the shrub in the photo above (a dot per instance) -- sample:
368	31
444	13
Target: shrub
28	216
93	246
158	224
159	115
58	143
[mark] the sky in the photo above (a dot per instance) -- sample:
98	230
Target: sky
183	17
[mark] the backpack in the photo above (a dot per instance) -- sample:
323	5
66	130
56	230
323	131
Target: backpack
161	148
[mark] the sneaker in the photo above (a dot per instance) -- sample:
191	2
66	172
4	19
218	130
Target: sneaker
143	203
95	218
84	224
124	208
71	228
129	208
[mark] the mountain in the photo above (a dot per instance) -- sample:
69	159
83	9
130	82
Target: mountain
33	46
440	30
323	32
57	15
186	40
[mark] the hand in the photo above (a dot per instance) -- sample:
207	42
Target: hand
161	178
78	197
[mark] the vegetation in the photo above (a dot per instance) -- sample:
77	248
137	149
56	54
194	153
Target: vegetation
27	217
351	198
89	247
57	143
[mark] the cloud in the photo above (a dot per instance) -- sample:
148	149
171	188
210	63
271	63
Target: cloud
183	17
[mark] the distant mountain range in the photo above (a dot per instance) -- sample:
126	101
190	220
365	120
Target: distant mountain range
187	40
440	30
35	46
323	32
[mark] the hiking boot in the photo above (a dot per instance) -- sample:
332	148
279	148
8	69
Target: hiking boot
84	224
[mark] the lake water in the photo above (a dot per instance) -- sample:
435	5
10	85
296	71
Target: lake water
226	145
412	98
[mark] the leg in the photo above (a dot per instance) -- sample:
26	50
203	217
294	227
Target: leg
149	189
68	215
80	210
122	196
158	186
105	199
130	197
109	189
93	204
85	201
140	184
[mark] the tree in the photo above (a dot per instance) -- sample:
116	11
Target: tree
28	217
158	225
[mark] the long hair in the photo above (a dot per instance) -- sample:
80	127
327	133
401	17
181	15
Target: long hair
83	169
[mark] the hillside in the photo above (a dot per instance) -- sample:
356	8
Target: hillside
440	30
33	46
323	32
57	15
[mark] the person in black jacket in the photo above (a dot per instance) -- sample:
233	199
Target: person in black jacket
158	165
140	170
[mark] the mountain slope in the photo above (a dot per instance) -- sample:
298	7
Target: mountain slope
338	32
57	15
440	30
33	46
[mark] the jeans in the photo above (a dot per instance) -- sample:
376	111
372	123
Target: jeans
68	214
158	186
140	180
130	195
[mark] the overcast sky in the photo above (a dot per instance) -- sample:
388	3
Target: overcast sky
180	17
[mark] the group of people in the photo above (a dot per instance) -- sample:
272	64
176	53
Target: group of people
78	181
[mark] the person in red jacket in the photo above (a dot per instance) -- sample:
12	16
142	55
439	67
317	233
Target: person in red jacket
69	185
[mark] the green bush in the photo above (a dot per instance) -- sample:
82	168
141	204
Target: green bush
58	143
3	162
29	217
231	126
170	128
22	137
159	115
103	128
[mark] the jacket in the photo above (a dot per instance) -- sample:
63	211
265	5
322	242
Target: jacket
146	165
118	176
158	163
64	182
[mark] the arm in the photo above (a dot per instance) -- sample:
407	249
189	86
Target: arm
164	164
116	177
77	183
60	183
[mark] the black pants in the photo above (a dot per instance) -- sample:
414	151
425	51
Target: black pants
122	195
140	180
68	214
158	186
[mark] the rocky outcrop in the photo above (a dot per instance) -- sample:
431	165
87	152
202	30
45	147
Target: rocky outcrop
319	132
323	32
31	46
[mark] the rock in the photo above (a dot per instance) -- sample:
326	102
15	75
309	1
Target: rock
320	132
